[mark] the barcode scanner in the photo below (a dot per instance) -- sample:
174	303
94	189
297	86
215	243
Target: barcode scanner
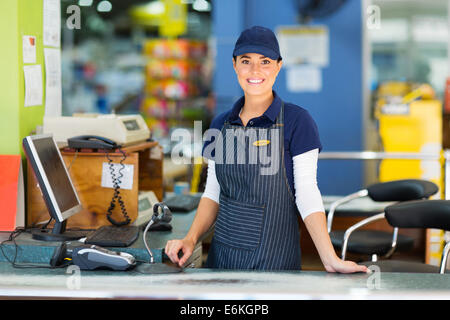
161	213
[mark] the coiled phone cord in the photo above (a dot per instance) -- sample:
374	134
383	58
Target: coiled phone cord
117	196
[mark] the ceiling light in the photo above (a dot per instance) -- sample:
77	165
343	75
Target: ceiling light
104	6
201	5
85	3
155	7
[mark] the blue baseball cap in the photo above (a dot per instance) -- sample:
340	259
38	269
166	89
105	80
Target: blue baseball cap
257	40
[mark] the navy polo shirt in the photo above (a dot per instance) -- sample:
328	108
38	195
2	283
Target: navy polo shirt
300	130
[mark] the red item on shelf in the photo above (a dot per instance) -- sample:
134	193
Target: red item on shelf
447	97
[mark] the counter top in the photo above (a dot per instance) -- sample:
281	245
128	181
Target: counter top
70	282
33	251
219	284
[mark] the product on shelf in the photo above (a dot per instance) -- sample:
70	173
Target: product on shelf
174	81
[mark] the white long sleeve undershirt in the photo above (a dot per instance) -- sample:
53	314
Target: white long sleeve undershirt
307	194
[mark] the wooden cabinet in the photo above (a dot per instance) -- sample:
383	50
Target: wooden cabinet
85	169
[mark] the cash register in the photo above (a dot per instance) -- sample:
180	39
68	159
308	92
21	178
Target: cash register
122	129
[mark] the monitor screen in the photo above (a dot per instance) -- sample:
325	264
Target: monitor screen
51	173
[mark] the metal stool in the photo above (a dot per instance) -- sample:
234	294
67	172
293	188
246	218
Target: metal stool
380	243
425	214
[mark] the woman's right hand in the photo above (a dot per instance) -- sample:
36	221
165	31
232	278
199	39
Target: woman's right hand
203	221
173	247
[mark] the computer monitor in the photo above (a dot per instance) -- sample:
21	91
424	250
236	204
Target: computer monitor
57	188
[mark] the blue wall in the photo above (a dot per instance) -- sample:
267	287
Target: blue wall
337	108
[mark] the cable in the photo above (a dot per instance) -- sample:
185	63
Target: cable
121	203
117	196
12	237
48	222
71	162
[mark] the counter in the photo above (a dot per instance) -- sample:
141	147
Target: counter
219	284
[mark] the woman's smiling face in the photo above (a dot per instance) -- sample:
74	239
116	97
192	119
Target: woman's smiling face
256	73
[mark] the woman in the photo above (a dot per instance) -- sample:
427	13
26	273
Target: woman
255	211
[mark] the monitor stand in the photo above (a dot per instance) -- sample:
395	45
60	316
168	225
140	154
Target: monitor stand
157	268
58	233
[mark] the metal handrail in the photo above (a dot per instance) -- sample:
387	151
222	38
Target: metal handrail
374	155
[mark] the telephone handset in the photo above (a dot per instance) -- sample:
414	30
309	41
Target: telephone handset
91	142
97	142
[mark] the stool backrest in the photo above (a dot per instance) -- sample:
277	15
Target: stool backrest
402	190
434	214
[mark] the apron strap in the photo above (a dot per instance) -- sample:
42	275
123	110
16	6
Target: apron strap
280	118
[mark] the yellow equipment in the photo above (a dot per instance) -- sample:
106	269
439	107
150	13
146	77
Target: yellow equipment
410	120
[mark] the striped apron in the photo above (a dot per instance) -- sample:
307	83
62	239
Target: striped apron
256	226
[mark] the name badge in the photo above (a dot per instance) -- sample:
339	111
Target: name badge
260	143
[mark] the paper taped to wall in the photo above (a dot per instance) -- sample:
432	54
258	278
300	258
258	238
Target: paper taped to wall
33	85
124	176
53	89
304	78
29	49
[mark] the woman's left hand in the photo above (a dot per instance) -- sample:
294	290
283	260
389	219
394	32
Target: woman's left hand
343	266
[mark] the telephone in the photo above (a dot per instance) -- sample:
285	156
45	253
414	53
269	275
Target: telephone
91	142
97	142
